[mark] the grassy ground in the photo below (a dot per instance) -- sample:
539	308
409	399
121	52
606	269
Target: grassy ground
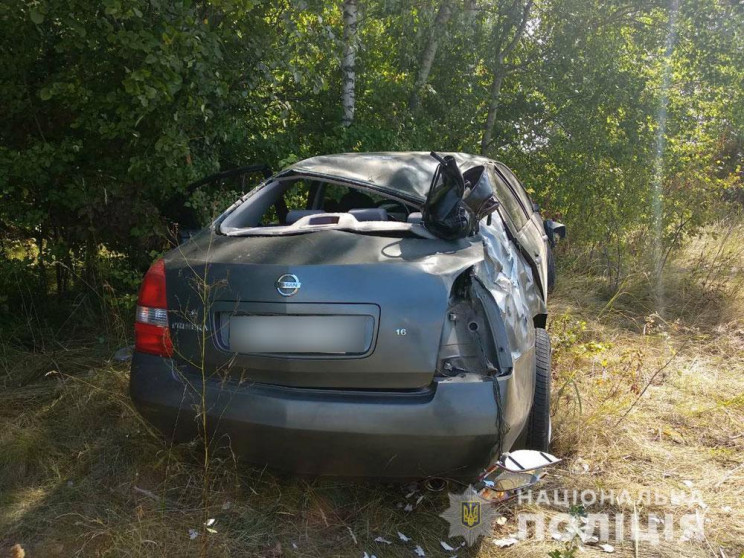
643	402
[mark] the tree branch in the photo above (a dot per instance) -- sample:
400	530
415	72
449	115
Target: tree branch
520	30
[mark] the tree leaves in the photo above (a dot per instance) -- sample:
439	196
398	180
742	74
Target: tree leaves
112	108
36	16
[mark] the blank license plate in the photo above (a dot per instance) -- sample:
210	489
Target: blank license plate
301	334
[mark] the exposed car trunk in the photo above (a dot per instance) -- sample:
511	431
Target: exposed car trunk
329	309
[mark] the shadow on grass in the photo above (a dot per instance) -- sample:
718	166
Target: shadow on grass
80	475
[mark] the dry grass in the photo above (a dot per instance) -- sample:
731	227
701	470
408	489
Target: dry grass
80	475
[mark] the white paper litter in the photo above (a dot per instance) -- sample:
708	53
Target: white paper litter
402	537
445	546
503	543
608	548
408	508
580	466
382	540
369	555
210	522
193	533
419	551
501	520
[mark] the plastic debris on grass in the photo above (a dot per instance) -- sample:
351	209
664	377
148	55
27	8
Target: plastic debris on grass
504	543
124	354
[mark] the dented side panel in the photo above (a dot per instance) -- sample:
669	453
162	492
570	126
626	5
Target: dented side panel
490	331
509	279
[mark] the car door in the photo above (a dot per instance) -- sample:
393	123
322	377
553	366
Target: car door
213	191
529	233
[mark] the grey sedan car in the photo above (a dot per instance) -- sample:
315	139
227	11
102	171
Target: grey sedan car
360	314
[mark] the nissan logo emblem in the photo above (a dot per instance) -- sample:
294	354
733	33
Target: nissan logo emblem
287	284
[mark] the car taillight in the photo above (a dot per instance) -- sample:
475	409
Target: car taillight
151	333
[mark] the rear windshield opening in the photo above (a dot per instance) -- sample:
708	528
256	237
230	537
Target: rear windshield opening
283	203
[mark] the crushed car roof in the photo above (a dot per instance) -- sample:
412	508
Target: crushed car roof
407	172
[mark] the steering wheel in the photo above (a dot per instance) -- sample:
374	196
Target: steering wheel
397	211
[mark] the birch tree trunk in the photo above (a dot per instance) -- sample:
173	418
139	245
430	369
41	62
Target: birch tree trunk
429	53
348	61
471	12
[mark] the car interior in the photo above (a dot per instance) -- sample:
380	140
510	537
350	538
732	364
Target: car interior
304	197
285	202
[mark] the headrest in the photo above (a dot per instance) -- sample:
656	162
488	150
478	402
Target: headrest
354	199
294	215
370	214
415	218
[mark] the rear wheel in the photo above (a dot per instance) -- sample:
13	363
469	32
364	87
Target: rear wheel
538	434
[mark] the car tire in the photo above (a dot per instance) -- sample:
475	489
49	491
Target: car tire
551	270
539	426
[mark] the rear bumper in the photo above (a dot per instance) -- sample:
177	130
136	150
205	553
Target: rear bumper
448	430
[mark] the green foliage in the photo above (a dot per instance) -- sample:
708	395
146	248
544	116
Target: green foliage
111	109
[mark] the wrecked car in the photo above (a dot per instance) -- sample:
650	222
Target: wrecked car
360	314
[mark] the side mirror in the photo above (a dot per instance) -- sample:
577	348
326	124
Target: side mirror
553	228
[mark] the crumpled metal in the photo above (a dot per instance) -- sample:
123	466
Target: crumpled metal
509	279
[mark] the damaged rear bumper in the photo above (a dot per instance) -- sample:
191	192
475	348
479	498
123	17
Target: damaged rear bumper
450	429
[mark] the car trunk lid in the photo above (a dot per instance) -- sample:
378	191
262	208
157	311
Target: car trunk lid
330	309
